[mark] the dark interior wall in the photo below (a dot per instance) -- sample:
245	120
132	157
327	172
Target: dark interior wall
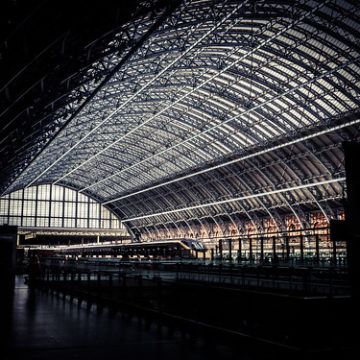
7	274
7	255
352	211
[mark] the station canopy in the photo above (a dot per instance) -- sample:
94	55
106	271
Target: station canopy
203	112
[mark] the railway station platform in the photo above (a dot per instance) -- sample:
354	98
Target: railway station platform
46	326
84	313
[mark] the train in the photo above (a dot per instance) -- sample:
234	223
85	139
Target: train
161	249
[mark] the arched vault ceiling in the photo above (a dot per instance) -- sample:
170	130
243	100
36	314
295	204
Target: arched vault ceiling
228	108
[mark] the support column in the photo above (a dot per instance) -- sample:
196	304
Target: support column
334	251
317	247
274	248
302	248
221	249
230	250
250	250
287	247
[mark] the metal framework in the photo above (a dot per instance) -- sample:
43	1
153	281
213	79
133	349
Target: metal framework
56	207
227	112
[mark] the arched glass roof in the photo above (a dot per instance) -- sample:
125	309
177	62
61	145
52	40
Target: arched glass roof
229	108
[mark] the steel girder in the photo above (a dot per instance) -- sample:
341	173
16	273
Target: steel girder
44	88
223	100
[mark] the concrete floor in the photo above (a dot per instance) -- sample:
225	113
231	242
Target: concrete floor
46	326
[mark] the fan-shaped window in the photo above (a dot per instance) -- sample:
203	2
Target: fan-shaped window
54	206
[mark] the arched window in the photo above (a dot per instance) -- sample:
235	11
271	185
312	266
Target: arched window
55	206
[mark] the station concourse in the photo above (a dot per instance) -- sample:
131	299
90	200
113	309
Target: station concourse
179	179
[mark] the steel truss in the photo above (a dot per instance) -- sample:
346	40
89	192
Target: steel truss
221	100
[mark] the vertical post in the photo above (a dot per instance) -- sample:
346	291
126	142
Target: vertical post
317	247
36	204
50	201
8	208
239	252
22	207
261	249
212	254
221	249
287	245
63	208
301	248
230	250
99	215
334	251
250	250
88	213
274	248
76	208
